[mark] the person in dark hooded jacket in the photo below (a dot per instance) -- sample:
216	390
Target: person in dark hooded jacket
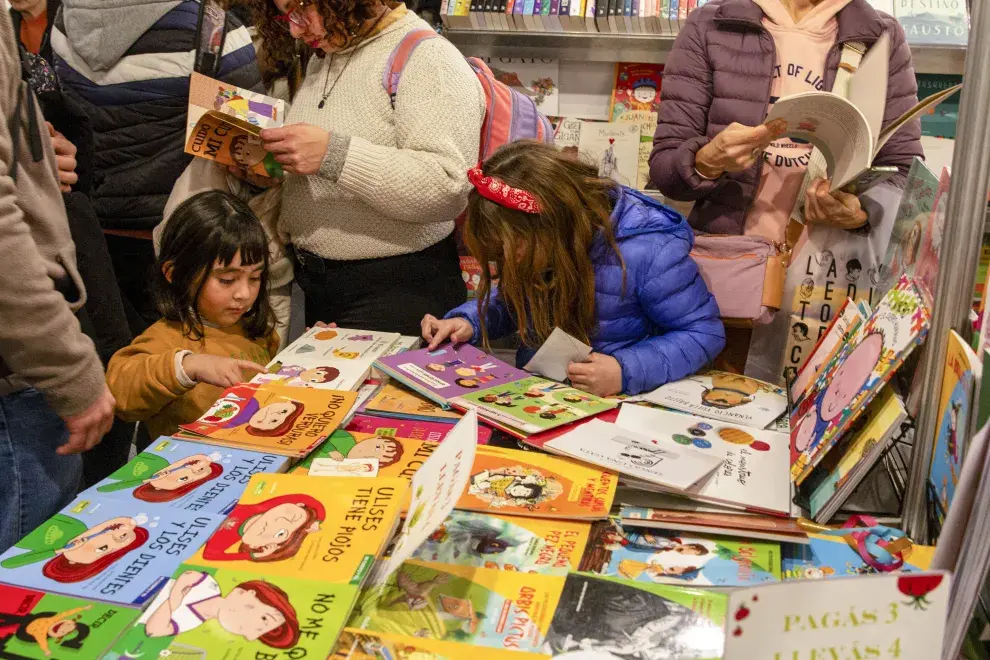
127	63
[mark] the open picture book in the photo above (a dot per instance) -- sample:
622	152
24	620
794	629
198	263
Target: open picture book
849	131
225	123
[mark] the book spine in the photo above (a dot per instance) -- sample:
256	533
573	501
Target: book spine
474	15
627	17
551	16
504	18
510	24
601	15
577	16
564	15
611	16
590	12
444	8
517	14
682	12
672	13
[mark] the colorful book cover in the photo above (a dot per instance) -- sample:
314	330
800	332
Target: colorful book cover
851	380
637	87
224	125
285	420
330	530
215	612
396	456
499	609
667	557
933	24
401	403
600	617
753	474
450	371
331	358
507	543
911	223
525	483
106	549
888	616
926	269
636	456
471	274
725	397
647	128
939	121
357	644
960	382
188	476
868	437
541	440
36	625
797	562
532	405
435	488
613	148
409	428
846	322
746	525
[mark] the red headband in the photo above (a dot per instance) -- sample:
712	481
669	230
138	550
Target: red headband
494	189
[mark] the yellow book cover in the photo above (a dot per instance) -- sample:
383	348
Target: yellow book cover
328	529
524	483
396	401
283	420
476	606
463	7
355	644
396	456
508	543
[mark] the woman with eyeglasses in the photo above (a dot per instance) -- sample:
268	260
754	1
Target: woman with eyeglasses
372	188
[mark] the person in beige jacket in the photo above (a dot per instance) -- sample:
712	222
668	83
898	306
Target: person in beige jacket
54	401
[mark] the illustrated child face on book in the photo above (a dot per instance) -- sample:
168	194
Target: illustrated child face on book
247	151
274	419
282	527
178	478
95	549
245	613
386	450
729	391
851	376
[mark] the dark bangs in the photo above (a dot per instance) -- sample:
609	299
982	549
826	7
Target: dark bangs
210	227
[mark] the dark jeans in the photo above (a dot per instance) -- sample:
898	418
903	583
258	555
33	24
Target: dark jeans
104	320
391	294
134	263
35	482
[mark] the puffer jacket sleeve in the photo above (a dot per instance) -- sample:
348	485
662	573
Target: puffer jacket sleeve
675	298
683	121
902	95
498	321
239	63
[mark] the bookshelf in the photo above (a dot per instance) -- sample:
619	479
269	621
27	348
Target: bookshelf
599	47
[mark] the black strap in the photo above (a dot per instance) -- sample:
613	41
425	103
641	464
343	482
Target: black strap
207	61
25	98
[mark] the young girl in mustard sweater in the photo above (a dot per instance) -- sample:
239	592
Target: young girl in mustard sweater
217	328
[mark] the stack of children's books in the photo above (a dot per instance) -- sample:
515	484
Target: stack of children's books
350	505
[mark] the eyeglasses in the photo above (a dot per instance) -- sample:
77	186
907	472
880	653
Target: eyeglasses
294	16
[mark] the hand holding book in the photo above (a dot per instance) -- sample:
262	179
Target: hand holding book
824	206
736	148
299	148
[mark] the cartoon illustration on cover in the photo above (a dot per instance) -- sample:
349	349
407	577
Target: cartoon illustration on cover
460	604
169	481
853	377
624	621
671	558
343	444
724	396
241	409
255	610
73	552
514	486
297	376
60	630
487	541
271	530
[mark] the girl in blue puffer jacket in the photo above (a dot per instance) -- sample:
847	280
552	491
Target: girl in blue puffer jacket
600	261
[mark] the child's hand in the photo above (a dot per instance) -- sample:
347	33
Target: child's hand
600	375
435	331
220	371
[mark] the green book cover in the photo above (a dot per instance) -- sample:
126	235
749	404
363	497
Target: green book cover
208	612
533	404
624	619
34	624
689	559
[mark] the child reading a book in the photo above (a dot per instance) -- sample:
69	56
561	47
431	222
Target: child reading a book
217	328
604	263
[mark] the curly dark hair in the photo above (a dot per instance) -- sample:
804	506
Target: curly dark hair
281	55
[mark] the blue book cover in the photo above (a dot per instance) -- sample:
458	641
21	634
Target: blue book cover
663	557
528	8
107	549
187	476
673	14
928	23
835	558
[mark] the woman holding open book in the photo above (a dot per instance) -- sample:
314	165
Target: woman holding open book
729	65
373	187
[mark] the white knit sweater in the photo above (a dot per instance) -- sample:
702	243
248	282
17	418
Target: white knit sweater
392	181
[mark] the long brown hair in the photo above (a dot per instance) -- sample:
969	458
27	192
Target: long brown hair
543	261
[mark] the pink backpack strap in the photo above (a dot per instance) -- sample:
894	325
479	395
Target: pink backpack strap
398	59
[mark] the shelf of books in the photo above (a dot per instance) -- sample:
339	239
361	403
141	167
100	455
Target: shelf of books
595	46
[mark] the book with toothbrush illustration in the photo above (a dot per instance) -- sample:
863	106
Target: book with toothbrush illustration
465	377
